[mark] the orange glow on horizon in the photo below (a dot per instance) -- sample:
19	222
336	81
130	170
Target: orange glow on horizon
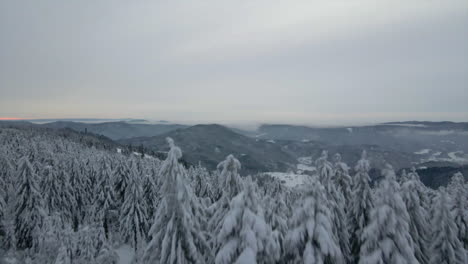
10	118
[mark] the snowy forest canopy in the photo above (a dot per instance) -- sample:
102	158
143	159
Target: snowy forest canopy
72	200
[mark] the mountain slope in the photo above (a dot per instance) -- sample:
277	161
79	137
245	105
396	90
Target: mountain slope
210	144
117	130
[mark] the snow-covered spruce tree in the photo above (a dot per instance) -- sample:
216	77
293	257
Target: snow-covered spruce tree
57	193
245	237
151	196
121	177
310	235
107	255
3	206
29	207
387	238
62	257
336	203
422	190
176	235
87	244
105	197
231	185
80	182
8	240
459	207
6	174
445	247
324	168
418	225
277	190
200	182
276	217
404	177
133	216
361	205
342	178
50	238
216	185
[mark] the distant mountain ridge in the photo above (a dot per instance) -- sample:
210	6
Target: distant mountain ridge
210	144
116	130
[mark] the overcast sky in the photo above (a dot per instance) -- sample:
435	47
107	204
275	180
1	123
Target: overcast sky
291	61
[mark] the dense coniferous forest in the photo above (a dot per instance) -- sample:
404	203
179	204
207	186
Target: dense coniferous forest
67	197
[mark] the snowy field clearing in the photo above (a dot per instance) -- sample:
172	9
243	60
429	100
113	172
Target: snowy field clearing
458	157
422	152
305	160
291	180
303	167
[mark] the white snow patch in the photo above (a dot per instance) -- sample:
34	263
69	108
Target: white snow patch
305	160
422	152
271	141
457	156
305	140
126	254
350	129
290	179
303	167
119	150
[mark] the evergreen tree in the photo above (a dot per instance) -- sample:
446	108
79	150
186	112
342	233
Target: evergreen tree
244	236
6	175
276	217
105	197
29	212
387	238
342	177
58	193
231	183
423	191
459	207
176	235
310	236
3	206
200	182
231	186
151	196
445	248
80	191
86	244
121	177
324	168
361	204
133	216
107	255
336	203
50	237
404	177
63	257
418	224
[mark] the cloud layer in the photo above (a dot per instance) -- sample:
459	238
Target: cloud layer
235	61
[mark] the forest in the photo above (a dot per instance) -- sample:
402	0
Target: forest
70	199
